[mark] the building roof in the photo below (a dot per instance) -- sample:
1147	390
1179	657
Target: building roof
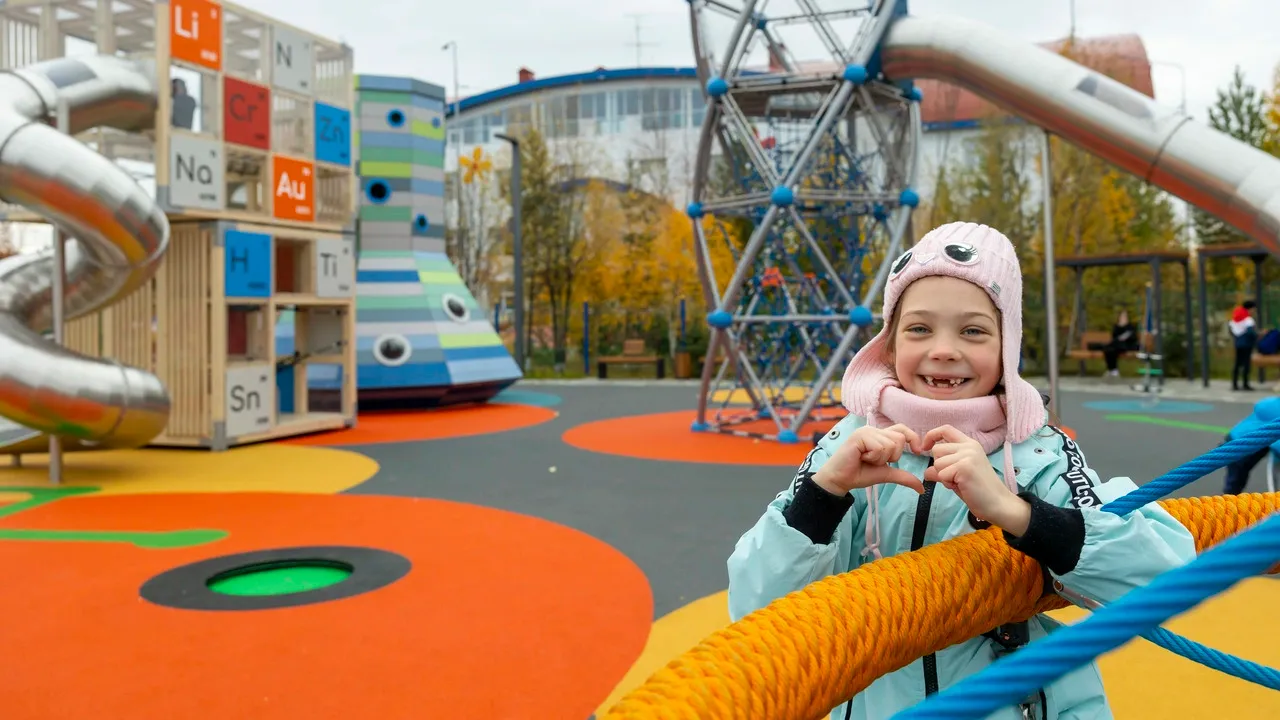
599	75
1123	57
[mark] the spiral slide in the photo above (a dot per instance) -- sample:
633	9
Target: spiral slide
118	234
1213	171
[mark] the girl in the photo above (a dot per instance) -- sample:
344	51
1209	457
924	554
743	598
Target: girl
944	437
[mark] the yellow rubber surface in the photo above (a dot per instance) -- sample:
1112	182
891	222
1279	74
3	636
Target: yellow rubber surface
253	468
1143	681
793	394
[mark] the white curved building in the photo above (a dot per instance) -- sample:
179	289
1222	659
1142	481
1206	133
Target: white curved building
641	125
636	125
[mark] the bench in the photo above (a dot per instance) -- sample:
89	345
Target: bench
1089	337
633	353
1084	353
1260	360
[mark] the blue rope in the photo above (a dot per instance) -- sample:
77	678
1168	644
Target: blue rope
1008	681
1238	447
1216	659
1243	446
1195	582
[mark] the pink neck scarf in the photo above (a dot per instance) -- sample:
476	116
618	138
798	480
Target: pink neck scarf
981	418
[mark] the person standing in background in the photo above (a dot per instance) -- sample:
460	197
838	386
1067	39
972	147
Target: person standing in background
1244	331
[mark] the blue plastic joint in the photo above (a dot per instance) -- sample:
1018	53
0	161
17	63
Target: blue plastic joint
694	210
717	87
719	319
856	74
909	198
782	196
861	316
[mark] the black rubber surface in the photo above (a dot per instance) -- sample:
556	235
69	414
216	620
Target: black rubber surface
679	521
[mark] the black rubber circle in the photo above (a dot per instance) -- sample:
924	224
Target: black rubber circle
187	587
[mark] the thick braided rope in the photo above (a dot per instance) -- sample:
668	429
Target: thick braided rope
813	649
1010	679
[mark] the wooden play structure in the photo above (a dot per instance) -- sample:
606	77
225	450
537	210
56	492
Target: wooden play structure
252	162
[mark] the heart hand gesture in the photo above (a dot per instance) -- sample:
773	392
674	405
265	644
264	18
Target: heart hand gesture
863	460
962	466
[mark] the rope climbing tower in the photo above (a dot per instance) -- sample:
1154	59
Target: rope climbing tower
804	171
813	649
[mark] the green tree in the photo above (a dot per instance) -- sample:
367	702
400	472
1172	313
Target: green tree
1238	112
1271	114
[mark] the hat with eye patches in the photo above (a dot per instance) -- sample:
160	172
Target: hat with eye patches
983	256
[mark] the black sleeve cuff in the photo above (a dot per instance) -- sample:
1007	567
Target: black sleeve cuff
816	512
1054	537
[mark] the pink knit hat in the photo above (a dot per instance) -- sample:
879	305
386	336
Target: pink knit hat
984	257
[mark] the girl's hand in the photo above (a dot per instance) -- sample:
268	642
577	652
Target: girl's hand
863	460
962	466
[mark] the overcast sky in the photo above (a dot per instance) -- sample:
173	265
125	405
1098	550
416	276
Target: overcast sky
496	37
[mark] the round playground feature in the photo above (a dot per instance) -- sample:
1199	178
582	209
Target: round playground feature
377	428
1149	406
528	397
667	436
499	615
285	577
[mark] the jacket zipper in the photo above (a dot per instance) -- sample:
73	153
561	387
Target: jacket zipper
917	542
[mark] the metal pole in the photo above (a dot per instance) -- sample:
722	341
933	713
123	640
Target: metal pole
59	302
1050	287
517	249
1204	321
1189	328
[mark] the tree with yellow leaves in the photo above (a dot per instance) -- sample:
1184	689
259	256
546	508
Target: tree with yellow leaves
642	262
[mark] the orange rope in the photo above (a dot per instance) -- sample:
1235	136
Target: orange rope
812	650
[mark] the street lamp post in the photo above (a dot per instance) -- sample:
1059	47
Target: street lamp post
517	249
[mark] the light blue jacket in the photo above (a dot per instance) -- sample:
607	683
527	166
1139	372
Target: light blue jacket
773	559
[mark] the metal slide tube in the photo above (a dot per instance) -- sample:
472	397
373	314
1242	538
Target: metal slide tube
116	238
1213	171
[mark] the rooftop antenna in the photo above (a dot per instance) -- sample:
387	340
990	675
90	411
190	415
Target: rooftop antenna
637	43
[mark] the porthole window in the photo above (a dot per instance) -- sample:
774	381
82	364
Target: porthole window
455	308
395	118
392	350
378	191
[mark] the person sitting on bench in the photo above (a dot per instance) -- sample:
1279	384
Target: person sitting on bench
1124	338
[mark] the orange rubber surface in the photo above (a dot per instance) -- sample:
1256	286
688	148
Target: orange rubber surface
667	437
502	615
441	424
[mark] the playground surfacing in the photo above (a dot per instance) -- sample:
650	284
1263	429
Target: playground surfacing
562	545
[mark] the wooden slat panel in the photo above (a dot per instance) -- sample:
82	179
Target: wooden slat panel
84	335
182	329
